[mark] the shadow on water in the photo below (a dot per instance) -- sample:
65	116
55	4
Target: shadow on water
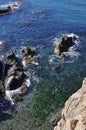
4	108
4	116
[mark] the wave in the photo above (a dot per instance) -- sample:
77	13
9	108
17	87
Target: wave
20	90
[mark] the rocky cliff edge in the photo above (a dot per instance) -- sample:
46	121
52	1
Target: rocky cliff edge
73	116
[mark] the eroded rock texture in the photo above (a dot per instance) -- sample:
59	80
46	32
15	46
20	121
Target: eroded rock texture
73	116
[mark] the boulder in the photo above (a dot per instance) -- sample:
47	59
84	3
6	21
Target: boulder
73	116
55	119
28	51
9	8
64	43
14	72
6	10
1	70
29	56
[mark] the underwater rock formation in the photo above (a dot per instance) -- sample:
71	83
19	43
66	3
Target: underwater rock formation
64	43
73	116
29	56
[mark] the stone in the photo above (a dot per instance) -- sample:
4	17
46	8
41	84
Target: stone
6	10
14	72
1	70
9	8
73	116
29	56
28	51
55	119
57	68
64	43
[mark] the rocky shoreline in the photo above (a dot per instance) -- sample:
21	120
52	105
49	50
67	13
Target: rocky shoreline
73	115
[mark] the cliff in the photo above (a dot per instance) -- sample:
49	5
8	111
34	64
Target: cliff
73	116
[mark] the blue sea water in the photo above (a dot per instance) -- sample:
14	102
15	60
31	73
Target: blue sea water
37	23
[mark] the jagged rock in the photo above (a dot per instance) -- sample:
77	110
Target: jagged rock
73	116
58	68
1	89
55	119
1	70
29	56
28	51
64	43
4	11
14	72
9	8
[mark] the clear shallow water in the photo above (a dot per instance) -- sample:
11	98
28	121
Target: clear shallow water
37	23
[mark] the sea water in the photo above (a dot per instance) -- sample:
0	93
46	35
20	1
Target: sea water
38	23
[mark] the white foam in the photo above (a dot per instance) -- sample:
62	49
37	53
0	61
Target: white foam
27	82
72	35
1	42
13	5
10	93
72	54
24	63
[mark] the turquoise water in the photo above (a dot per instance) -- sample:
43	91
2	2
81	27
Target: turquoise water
37	23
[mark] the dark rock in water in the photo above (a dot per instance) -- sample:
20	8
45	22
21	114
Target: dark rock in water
57	69
64	44
1	70
29	56
55	119
6	10
9	8
1	89
14	72
28	51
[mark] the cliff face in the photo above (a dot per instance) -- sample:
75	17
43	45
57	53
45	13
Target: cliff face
73	116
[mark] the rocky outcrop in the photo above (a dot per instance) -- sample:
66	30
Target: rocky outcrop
29	56
13	79
73	116
14	72
1	70
9	8
62	44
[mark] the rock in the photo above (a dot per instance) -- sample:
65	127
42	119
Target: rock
28	51
9	8
29	56
1	70
6	10
58	68
1	89
74	113
64	43
55	119
14	72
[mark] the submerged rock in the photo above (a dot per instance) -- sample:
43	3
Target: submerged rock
55	119
73	116
64	43
29	56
